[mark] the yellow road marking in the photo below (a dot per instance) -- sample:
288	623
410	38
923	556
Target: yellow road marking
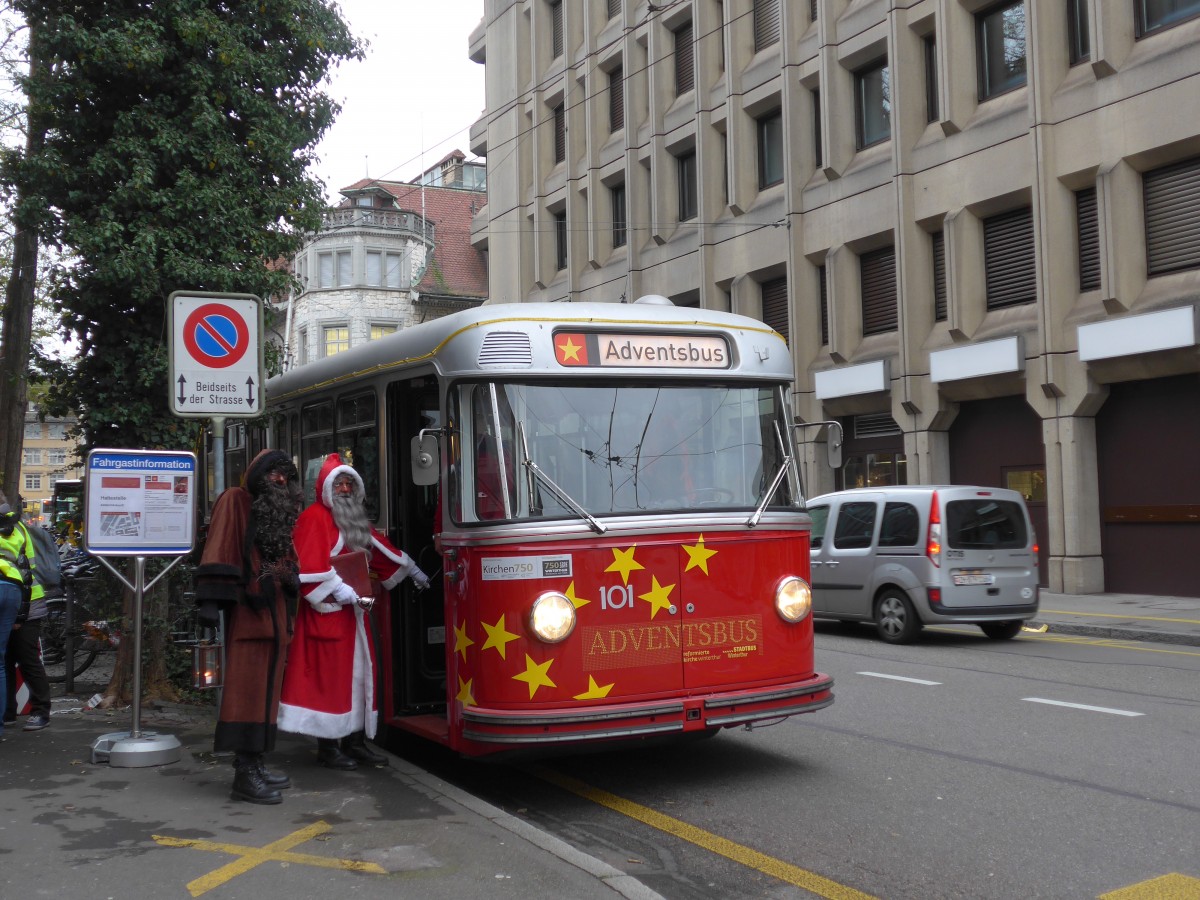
250	857
1166	887
776	868
1064	612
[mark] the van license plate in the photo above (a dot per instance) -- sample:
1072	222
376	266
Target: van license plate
962	579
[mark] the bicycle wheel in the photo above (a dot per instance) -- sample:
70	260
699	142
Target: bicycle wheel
54	640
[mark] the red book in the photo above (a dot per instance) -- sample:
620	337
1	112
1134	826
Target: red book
352	568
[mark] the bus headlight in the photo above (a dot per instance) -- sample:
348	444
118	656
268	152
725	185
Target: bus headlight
793	598
552	617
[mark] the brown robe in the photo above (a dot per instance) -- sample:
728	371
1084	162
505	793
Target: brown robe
259	609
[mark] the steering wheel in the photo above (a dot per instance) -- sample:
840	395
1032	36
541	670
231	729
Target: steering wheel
710	496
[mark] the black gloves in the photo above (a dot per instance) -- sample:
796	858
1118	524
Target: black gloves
209	614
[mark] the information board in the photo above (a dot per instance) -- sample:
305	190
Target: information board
140	503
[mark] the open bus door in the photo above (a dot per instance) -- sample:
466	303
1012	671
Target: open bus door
417	631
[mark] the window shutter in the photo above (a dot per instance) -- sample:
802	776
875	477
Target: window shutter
766	23
878	270
614	8
560	134
616	99
685	70
1089	239
939	276
556	29
1172	199
824	307
812	10
1009	259
775	305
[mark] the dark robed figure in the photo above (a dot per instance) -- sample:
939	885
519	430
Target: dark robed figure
248	574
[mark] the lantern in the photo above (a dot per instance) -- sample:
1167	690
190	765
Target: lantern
206	664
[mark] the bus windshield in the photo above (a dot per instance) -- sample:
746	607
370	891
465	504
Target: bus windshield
568	449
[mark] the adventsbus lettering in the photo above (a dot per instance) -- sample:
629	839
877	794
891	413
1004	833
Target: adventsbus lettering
628	351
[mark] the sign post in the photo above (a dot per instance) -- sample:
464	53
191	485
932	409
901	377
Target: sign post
139	503
217	369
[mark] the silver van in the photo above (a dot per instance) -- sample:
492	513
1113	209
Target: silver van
904	557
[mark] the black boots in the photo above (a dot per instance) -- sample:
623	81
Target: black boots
248	781
355	747
331	756
277	780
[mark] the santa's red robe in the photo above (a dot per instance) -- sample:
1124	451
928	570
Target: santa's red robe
329	685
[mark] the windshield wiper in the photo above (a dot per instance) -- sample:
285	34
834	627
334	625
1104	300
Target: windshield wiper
784	466
562	496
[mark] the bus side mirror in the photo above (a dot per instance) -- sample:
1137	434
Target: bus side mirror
833	445
425	458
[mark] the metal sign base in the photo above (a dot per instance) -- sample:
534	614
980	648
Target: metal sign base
120	749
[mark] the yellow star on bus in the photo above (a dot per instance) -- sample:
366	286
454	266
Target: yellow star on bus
569	349
535	675
624	563
594	691
498	637
461	641
698	555
575	601
658	596
464	692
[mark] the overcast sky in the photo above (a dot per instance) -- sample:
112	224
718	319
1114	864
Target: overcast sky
412	100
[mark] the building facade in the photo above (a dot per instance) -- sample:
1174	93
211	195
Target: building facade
390	255
49	456
977	223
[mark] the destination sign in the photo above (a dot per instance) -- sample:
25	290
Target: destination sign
641	351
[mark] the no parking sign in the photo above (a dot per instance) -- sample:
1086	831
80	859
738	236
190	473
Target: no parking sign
216	354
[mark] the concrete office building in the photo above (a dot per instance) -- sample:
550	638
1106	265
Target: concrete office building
976	222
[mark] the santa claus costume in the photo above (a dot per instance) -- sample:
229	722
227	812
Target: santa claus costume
329	685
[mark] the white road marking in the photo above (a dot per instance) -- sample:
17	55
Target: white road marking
898	678
1103	709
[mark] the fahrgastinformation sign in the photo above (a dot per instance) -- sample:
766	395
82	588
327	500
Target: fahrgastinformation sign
216	354
140	503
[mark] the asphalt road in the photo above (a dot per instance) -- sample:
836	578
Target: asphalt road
1045	767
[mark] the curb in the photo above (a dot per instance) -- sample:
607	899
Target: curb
1121	634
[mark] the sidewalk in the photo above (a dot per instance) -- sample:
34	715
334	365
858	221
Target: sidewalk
1131	617
74	828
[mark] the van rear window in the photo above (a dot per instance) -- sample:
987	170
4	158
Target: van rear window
985	524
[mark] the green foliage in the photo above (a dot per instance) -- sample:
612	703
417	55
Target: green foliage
177	140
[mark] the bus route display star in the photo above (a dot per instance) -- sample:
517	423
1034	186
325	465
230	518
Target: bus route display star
698	555
535	675
624	563
498	637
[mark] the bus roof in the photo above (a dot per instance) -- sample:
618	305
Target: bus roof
459	345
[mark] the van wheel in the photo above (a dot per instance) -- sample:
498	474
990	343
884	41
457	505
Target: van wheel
1002	631
895	619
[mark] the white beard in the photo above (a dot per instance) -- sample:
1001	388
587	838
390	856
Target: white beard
350	516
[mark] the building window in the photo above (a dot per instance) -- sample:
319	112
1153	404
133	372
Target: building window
877	270
336	339
1000	35
32	457
770	149
1171	196
378	331
1155	14
873	104
374	268
685	67
823	299
556	29
303	346
931	79
33	431
617	195
1010	261
57	432
33	482
560	133
616	99
334	269
766	23
345	275
58	457
1086	215
775	305
812	10
688	201
560	240
939	276
1077	31
816	107
614	8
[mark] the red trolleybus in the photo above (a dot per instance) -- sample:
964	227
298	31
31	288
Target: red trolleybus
621	535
